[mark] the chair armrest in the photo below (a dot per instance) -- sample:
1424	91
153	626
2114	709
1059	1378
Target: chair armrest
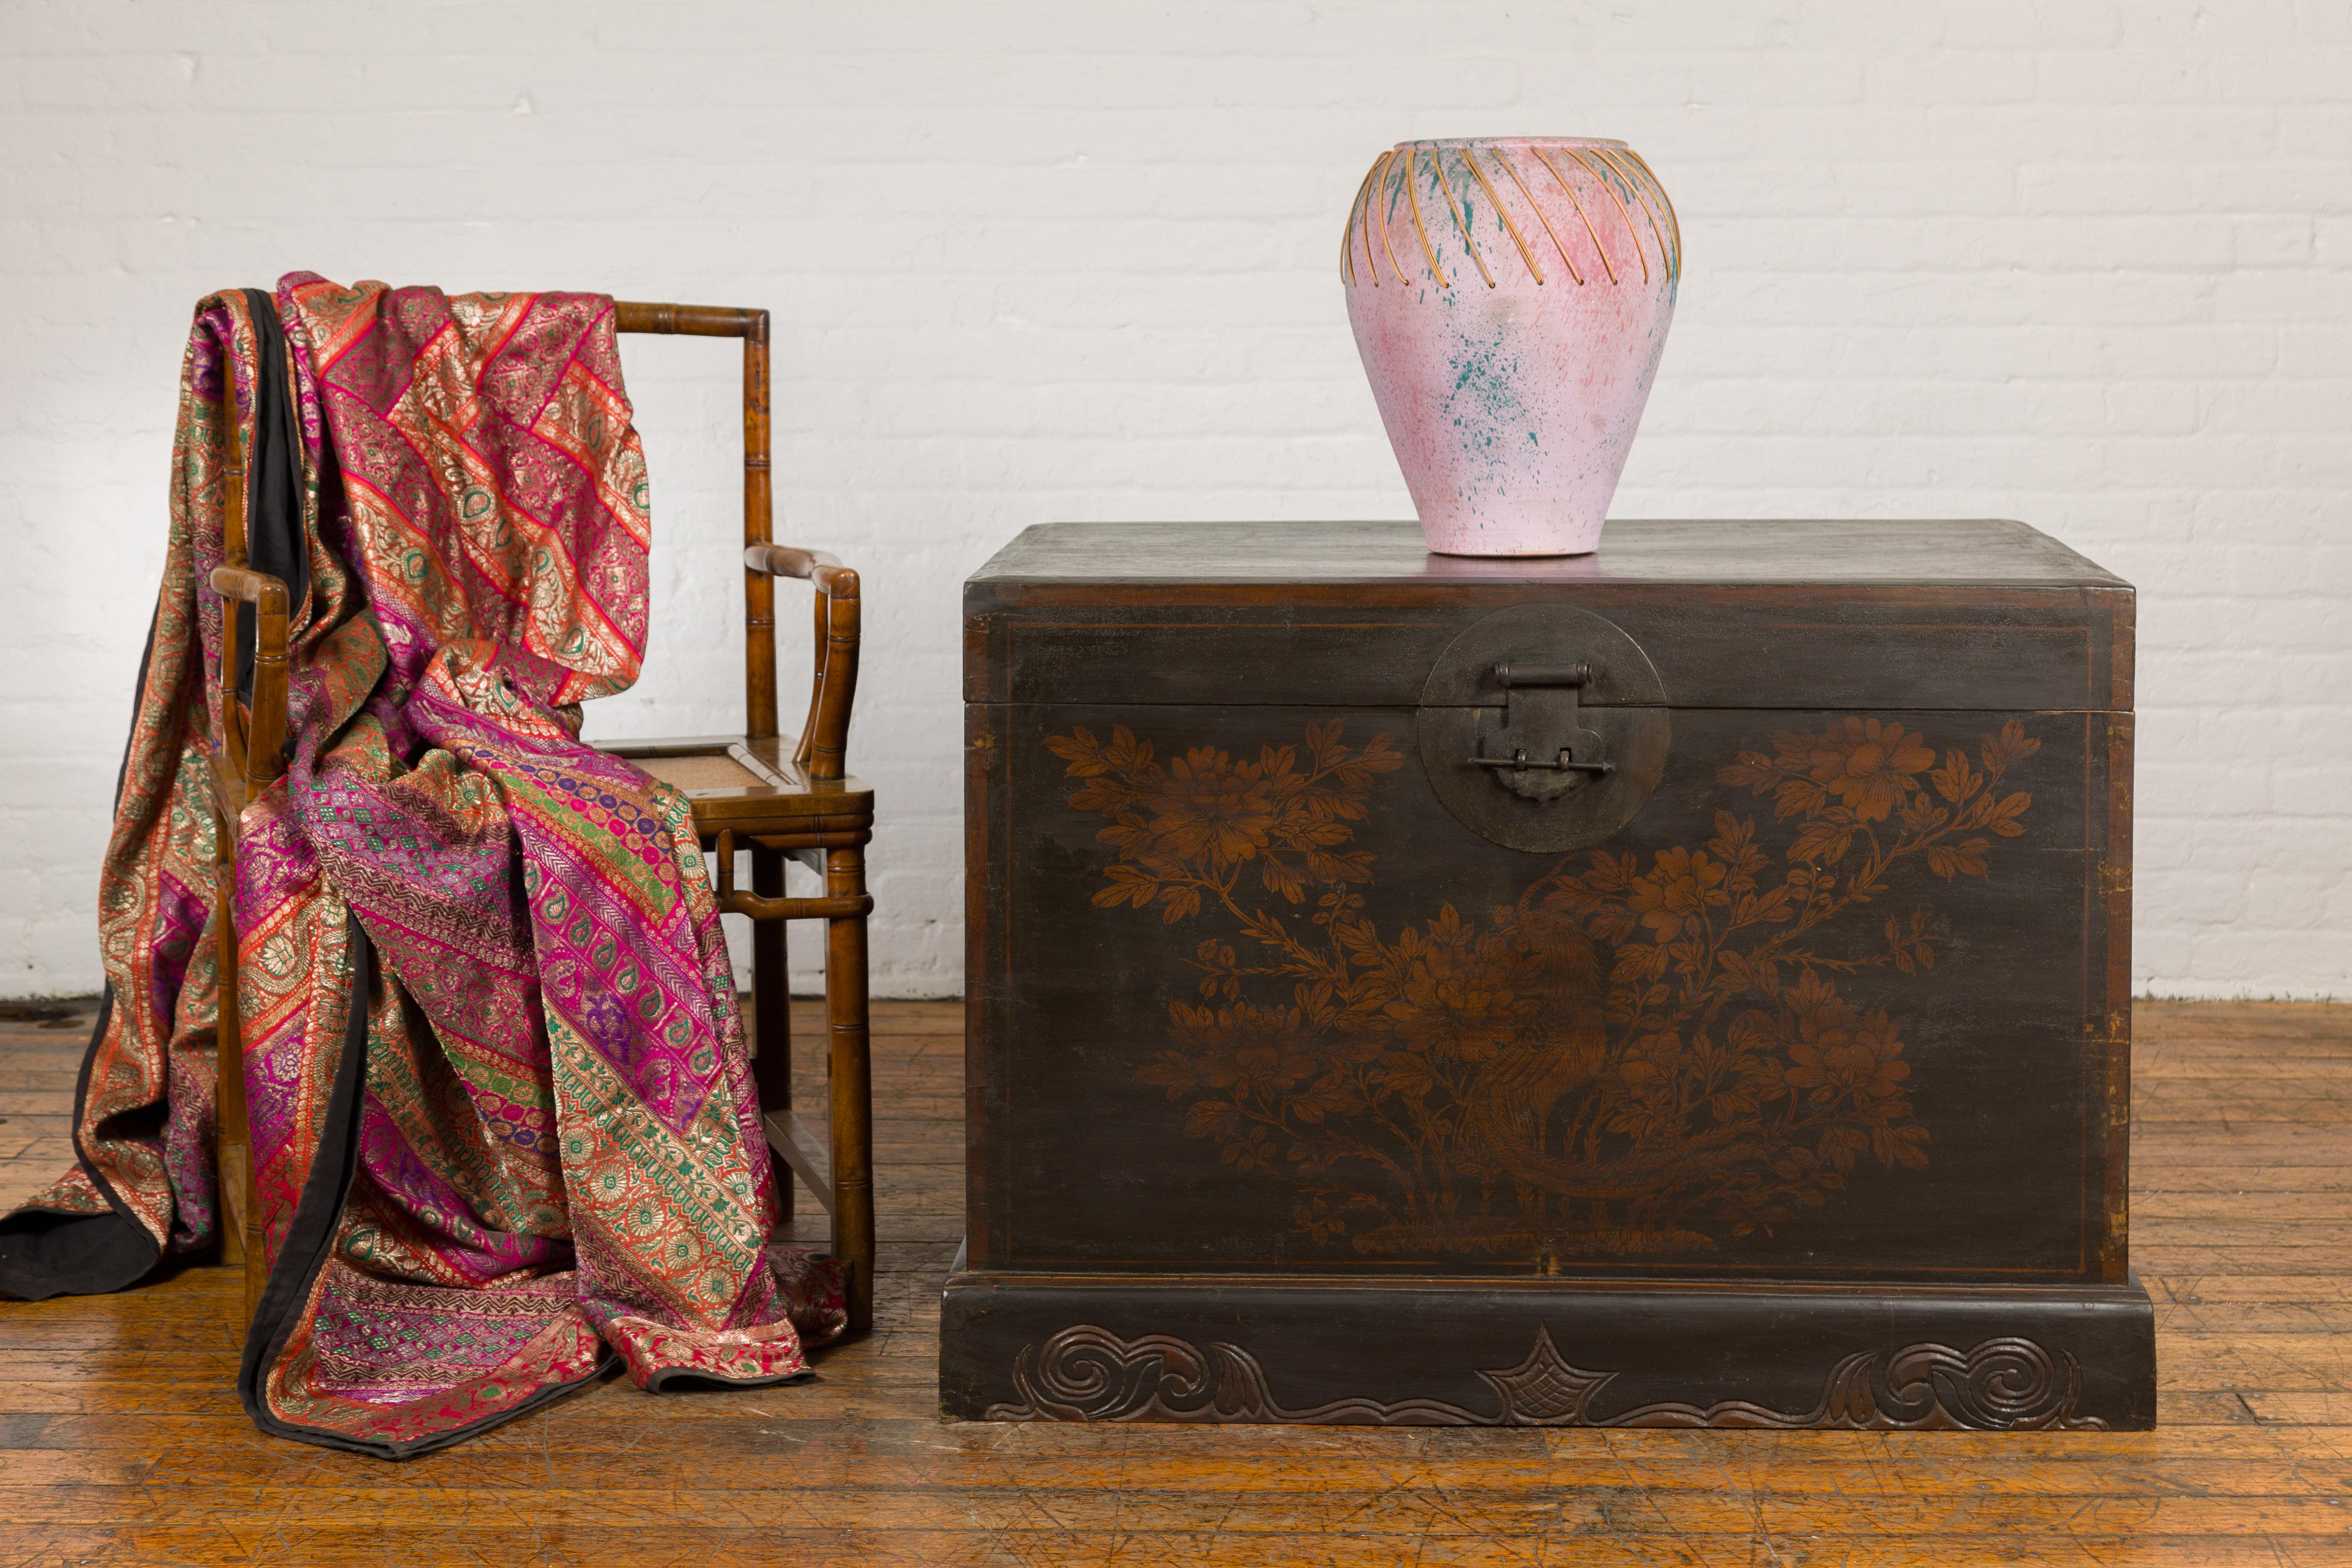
826	571
824	739
262	756
265	593
689	320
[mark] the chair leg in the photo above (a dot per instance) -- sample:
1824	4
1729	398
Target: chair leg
771	1011
239	1207
849	1062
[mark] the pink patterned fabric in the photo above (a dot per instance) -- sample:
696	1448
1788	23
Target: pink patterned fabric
502	1116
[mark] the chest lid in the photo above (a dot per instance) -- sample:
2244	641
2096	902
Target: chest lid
1981	614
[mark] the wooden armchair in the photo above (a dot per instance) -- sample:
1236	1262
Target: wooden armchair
761	790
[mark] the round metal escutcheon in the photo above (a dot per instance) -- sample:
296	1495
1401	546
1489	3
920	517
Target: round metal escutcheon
1467	713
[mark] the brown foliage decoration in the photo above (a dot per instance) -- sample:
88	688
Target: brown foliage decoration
1630	1060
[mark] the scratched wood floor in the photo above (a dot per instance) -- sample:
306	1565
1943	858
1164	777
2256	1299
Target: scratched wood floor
123	1443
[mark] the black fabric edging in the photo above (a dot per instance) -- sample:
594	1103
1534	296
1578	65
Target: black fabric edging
310	1244
44	1253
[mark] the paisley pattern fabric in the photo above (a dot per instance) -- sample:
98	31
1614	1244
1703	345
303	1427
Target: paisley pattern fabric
504	1127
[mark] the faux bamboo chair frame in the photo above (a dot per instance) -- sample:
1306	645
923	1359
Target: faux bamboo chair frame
249	755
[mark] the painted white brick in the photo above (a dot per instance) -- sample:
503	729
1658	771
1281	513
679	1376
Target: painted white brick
2087	264
2002	75
2007	23
2153	130
2129	79
2314	129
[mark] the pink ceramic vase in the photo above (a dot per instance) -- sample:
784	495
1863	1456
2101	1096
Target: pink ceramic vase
1510	296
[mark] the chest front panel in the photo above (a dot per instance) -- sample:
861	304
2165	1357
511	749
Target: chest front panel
1267	1005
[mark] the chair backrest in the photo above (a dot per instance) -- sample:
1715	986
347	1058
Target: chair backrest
834	683
252	744
251	748
759	502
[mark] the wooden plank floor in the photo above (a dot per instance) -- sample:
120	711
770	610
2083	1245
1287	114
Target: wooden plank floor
123	1443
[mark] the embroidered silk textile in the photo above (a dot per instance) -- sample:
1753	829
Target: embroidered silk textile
503	1124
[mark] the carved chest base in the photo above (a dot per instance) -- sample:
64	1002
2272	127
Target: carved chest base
1436	1352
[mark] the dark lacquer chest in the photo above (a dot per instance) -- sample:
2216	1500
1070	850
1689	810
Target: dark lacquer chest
1683	986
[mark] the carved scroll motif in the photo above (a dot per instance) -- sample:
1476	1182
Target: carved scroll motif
1086	1373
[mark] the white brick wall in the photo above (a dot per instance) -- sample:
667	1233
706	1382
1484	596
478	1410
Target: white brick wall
2084	263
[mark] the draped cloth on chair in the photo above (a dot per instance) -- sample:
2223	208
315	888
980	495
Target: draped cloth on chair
503	1124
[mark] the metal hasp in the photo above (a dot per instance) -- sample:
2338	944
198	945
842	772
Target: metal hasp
1544	728
1541	752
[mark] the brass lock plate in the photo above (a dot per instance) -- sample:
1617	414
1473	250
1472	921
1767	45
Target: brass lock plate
1544	728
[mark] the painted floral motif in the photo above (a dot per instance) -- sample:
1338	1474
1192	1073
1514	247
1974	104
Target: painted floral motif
1631	1059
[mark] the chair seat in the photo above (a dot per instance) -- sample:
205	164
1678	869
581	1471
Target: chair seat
735	782
701	771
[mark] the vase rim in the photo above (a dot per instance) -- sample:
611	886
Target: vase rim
1509	142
